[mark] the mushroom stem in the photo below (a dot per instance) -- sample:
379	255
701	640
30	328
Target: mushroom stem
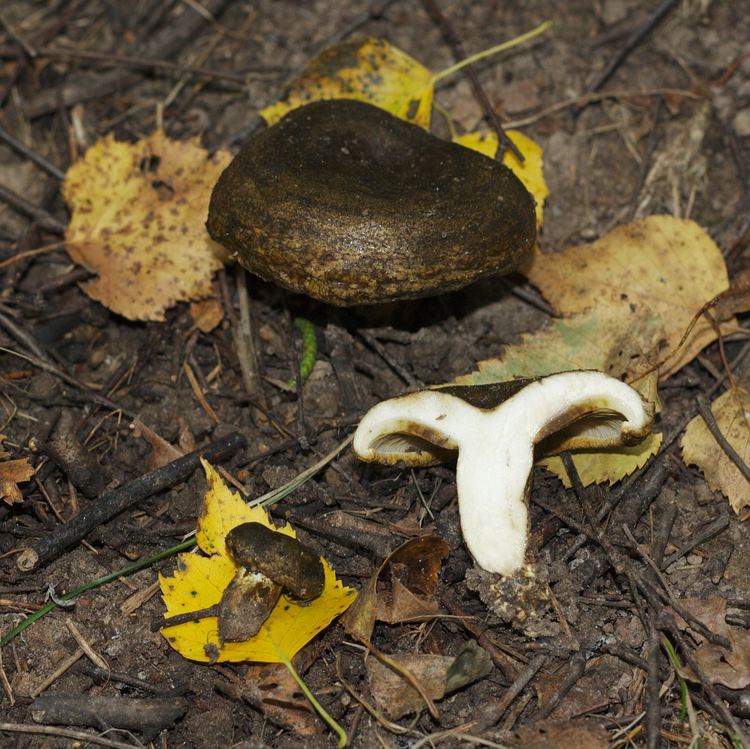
496	447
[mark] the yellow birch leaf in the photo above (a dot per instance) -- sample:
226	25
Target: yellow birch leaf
603	340
199	582
732	412
609	465
529	171
661	266
366	69
138	221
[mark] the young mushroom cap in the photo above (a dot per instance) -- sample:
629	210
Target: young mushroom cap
283	559
345	203
495	444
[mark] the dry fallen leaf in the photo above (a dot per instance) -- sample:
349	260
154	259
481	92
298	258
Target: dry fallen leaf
728	667
438	675
661	268
732	413
271	688
415	568
138	222
199	582
13	473
366	69
206	313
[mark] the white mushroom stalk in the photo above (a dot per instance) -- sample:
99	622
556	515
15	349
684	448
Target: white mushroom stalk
495	444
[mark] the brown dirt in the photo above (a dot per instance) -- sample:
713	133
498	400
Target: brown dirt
600	155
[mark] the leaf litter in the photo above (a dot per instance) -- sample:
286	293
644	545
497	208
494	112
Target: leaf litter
630	336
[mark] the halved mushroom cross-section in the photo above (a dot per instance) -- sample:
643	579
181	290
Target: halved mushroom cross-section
494	428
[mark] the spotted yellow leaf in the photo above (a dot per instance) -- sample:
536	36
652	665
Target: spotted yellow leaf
366	69
529	171
138	213
200	580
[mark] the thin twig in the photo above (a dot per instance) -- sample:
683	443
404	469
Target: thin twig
450	36
632	42
149	63
30	154
66	733
42	218
244	338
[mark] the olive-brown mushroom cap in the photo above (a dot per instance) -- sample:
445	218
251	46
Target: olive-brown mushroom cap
345	203
283	559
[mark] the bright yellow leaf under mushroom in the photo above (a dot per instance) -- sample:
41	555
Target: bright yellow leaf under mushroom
200	580
366	69
138	222
529	171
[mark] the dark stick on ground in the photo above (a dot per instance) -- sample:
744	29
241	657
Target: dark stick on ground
653	686
397	368
118	500
706	533
450	36
663	532
40	216
64	11
77	463
507	665
492	713
164	44
151	715
575	672
633	41
30	154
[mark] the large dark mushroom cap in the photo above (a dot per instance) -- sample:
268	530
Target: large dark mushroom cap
347	204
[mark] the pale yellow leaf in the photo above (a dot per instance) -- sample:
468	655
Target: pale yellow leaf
659	266
605	340
732	413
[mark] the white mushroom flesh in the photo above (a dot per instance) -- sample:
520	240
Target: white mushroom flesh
496	447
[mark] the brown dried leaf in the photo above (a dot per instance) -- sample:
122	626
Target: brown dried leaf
206	313
161	451
273	689
438	674
12	473
414	567
728	667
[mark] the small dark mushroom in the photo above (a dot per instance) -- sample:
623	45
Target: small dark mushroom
270	563
347	204
285	560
